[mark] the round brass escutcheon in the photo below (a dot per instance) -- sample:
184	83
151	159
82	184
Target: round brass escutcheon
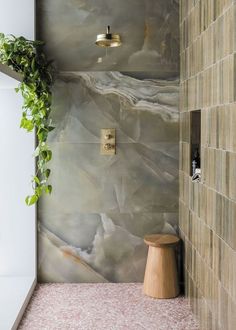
108	146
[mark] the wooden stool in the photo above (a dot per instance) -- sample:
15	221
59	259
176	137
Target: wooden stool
161	279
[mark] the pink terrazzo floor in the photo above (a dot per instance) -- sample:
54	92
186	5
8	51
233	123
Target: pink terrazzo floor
104	307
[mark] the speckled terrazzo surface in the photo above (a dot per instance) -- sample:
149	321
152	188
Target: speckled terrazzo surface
104	307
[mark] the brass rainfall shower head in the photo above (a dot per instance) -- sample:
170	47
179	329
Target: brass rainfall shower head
108	39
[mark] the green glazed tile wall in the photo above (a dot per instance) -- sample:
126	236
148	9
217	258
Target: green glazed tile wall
208	209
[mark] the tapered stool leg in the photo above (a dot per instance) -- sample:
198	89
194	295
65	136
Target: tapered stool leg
161	279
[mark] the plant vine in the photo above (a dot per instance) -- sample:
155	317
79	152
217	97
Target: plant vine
27	58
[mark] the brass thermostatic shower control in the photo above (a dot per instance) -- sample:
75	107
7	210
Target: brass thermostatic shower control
108	141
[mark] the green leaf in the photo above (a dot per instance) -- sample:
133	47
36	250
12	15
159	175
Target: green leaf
49	157
47	173
27	124
37	151
42	136
36	179
48	189
39	43
33	64
46	155
30	200
38	191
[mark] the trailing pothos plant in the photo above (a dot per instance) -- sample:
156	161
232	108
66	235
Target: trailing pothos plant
26	57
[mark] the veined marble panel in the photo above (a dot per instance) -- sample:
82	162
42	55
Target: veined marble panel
93	224
96	247
138	178
148	28
141	110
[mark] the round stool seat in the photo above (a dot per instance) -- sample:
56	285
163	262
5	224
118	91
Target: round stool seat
160	240
161	278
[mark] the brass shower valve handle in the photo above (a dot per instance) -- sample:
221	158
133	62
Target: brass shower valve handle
108	136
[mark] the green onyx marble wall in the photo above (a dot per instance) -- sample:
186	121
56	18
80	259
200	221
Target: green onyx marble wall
208	209
148	28
91	228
